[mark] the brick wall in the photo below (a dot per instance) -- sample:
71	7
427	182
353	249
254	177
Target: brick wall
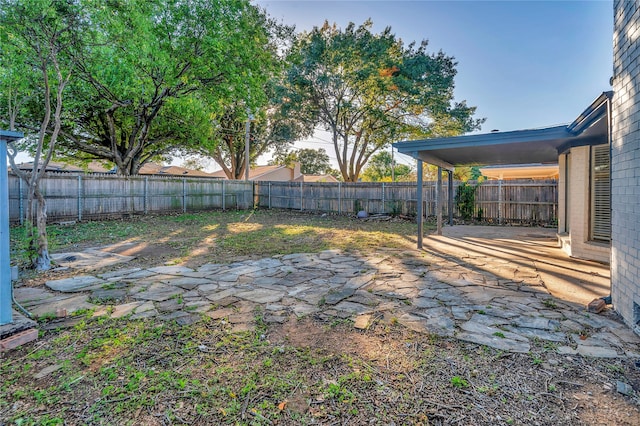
625	162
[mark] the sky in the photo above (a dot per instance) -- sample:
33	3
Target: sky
523	64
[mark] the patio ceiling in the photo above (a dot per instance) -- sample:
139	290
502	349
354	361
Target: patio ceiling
514	147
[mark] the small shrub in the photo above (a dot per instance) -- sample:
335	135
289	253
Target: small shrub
466	200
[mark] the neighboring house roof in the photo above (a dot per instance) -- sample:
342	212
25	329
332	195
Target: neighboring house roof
320	178
99	167
53	166
156	169
274	173
522	171
514	147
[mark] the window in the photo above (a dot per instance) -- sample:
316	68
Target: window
600	194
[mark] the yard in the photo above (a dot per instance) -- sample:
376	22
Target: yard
291	363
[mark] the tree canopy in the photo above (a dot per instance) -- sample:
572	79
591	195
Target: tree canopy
382	168
369	90
35	71
153	76
312	161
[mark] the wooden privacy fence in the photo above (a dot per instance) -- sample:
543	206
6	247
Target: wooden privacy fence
102	196
373	197
520	201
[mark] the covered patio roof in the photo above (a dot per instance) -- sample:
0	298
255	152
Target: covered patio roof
591	127
514	147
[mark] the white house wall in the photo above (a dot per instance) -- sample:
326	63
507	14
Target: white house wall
575	237
625	163
562	196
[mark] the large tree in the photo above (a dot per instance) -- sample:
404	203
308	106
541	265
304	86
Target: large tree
156	75
369	90
312	161
269	130
35	70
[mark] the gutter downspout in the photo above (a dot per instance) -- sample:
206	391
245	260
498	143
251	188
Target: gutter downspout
607	299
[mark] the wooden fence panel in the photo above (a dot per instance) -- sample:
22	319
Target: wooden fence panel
96	196
102	196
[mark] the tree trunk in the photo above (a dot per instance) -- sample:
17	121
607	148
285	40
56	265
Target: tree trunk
42	261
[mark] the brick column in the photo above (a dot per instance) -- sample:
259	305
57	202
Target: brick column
625	163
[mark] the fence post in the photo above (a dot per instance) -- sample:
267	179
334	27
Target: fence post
145	195
21	201
223	195
79	198
301	195
339	198
184	195
500	201
384	208
269	205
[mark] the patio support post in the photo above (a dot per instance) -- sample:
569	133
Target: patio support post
439	202
450	201
6	313
5	264
500	201
419	202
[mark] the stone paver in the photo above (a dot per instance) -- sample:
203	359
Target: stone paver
73	284
493	303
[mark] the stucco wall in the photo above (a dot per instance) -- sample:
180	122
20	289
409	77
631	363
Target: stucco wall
577	200
625	163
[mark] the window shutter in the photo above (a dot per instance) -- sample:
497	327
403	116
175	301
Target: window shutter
600	194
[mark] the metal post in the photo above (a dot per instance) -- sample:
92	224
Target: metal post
21	201
439	202
419	201
6	313
393	166
450	188
79	198
247	129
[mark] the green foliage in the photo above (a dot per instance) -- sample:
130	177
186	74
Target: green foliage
312	161
459	382
370	89
465	200
379	169
151	77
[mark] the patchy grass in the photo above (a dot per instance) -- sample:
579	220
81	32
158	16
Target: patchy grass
223	236
118	371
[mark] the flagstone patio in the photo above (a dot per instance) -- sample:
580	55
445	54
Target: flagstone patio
457	287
